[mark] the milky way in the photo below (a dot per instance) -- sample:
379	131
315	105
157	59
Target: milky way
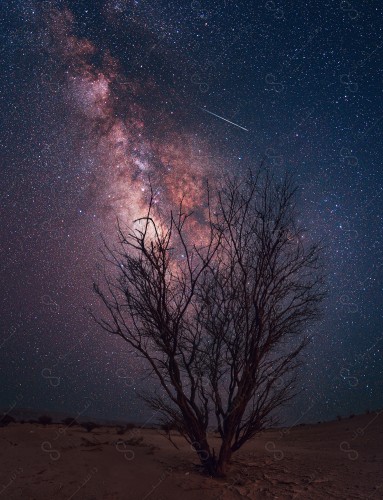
132	141
102	99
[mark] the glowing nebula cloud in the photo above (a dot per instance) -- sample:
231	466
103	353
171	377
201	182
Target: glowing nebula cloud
132	140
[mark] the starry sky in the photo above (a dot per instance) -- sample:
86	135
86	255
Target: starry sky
97	97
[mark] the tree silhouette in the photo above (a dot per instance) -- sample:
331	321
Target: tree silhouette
220	323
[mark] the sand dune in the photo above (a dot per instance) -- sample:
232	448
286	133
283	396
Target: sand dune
331	460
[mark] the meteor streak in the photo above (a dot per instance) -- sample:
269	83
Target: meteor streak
222	118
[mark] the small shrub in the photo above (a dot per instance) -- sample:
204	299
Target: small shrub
69	422
168	426
45	419
6	419
339	418
121	429
136	441
352	416
89	426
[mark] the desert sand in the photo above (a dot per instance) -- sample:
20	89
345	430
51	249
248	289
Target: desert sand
341	459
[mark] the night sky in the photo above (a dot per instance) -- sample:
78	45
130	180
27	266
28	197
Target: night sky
96	97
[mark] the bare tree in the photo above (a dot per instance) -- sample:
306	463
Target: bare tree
220	324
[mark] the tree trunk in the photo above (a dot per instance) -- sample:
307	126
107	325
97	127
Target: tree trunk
216	467
223	460
222	467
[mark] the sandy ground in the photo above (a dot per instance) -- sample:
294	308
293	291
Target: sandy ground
330	460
